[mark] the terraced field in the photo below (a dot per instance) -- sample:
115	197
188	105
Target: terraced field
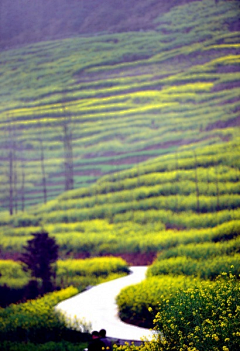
190	197
149	123
125	98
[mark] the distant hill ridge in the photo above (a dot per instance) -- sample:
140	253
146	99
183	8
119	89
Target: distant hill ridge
24	21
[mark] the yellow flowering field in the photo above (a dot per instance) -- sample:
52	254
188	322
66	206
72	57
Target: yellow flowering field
203	317
34	320
77	272
204	268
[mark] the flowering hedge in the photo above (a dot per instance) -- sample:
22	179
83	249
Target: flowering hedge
34	320
201	318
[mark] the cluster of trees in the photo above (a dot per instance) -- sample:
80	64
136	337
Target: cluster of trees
14	194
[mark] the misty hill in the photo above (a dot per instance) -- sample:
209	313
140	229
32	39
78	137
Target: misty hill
124	98
24	21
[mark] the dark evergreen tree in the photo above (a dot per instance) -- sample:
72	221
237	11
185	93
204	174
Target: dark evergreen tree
40	256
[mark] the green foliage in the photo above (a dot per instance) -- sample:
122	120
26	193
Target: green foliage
134	301
48	346
34	320
82	273
201	318
206	250
78	273
204	268
12	274
98	237
176	86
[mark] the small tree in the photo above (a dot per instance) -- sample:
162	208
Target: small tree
39	257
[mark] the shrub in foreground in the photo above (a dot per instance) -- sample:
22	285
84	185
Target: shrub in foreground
35	320
135	300
49	346
205	317
201	318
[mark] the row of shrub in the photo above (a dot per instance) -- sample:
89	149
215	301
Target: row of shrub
152	218
98	99
15	284
205	250
207	177
99	237
35	320
200	204
205	268
184	220
208	157
168	189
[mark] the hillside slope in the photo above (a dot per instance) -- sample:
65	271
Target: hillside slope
124	97
189	197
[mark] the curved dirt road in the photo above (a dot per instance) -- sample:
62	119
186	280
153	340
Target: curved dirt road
97	306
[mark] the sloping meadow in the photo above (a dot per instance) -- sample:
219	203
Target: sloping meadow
124	98
184	198
154	120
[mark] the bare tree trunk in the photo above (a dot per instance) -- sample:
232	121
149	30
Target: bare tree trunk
23	187
44	182
10	180
176	180
208	181
15	176
68	153
66	160
10	168
15	181
217	188
196	182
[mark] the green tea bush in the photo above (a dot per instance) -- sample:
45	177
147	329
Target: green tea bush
144	192
186	219
203	250
205	268
172	202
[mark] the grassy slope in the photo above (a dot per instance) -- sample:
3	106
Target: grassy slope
182	102
127	97
189	197
177	88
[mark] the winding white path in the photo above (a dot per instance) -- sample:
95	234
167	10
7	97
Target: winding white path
97	306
